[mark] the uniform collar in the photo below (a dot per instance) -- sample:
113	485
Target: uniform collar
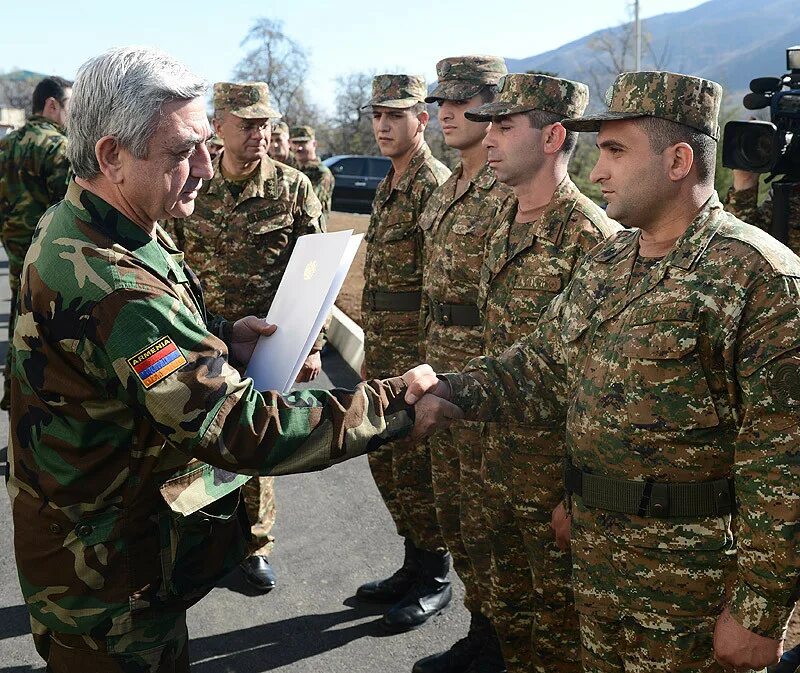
417	161
261	184
550	224
41	120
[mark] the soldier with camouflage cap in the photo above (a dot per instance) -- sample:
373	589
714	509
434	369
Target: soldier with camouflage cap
280	149
304	146
457	222
33	177
673	359
390	311
238	241
532	255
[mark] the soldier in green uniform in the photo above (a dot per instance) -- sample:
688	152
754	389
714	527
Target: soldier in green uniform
33	177
458	221
132	430
239	240
672	359
390	311
280	148
304	146
531	257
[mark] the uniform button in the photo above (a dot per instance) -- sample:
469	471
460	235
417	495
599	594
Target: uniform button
55	528
84	530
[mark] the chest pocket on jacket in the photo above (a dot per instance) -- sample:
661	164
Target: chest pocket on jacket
396	247
260	222
665	383
530	296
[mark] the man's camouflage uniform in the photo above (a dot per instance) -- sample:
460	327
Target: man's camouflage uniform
33	177
744	204
390	315
677	381
282	127
239	241
128	422
319	174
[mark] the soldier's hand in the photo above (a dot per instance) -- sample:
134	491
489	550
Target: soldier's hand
737	648
561	523
422	380
311	368
246	333
744	180
433	414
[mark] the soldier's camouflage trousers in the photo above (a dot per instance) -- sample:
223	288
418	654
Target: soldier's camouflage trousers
531	600
259	501
458	491
403	477
159	647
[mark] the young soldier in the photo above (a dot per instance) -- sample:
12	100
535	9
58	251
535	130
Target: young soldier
304	145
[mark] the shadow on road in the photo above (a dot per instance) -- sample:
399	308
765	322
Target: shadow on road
14	622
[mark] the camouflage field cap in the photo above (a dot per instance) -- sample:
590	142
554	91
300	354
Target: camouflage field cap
302	133
687	100
523	93
280	127
398	91
461	77
248	100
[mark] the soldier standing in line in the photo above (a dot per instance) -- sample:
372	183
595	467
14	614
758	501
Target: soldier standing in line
673	358
390	310
531	257
215	146
457	223
304	146
33	177
279	147
239	240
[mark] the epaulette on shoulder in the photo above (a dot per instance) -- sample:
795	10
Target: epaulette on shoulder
597	216
614	245
782	260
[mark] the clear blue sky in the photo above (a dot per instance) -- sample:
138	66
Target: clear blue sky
342	36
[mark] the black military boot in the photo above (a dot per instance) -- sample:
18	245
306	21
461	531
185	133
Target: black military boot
463	652
490	659
393	588
430	594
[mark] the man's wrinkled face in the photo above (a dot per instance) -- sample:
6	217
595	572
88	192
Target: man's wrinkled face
395	129
279	146
245	139
459	132
165	184
514	149
305	150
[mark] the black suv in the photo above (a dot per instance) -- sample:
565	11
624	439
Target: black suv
357	178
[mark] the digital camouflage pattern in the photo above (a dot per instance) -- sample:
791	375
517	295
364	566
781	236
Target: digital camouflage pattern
124	482
322	180
457	225
744	205
248	100
462	77
281	128
687	373
391	338
687	100
526	265
397	91
521	93
302	133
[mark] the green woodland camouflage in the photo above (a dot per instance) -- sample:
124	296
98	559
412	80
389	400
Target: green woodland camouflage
248	100
397	91
522	93
687	374
131	431
526	266
457	227
687	100
391	337
322	180
744	205
462	77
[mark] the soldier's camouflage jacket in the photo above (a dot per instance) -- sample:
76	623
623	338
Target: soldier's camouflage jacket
394	263
690	373
240	246
33	177
457	227
526	266
322	181
744	204
132	432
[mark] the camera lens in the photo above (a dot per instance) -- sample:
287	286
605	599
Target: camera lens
755	148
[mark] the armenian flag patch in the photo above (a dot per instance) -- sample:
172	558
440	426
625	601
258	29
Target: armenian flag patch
157	361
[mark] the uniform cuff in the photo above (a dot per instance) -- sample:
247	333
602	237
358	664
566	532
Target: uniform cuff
758	614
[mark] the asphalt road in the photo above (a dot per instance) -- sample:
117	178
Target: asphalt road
332	533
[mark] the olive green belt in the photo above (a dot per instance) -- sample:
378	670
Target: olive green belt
401	302
651	498
457	315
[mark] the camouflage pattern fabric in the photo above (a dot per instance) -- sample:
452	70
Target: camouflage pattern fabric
526	266
397	91
391	338
132	432
322	180
688	374
462	77
457	226
248	100
744	205
258	496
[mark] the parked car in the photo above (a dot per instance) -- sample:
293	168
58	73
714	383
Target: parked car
357	178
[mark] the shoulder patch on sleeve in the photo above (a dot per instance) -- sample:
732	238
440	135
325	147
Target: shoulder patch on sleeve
154	363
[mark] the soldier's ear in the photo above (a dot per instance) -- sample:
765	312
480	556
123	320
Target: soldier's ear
109	158
679	161
423	118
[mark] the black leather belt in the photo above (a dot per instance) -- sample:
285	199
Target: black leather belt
401	302
458	315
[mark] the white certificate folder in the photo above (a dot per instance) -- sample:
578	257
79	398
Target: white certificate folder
308	288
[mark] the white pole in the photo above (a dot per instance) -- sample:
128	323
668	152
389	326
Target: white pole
638	28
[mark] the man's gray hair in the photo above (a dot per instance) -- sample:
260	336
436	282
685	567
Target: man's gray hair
121	93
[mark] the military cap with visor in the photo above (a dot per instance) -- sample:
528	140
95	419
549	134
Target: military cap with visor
248	100
302	133
462	77
683	99
280	127
397	91
523	93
